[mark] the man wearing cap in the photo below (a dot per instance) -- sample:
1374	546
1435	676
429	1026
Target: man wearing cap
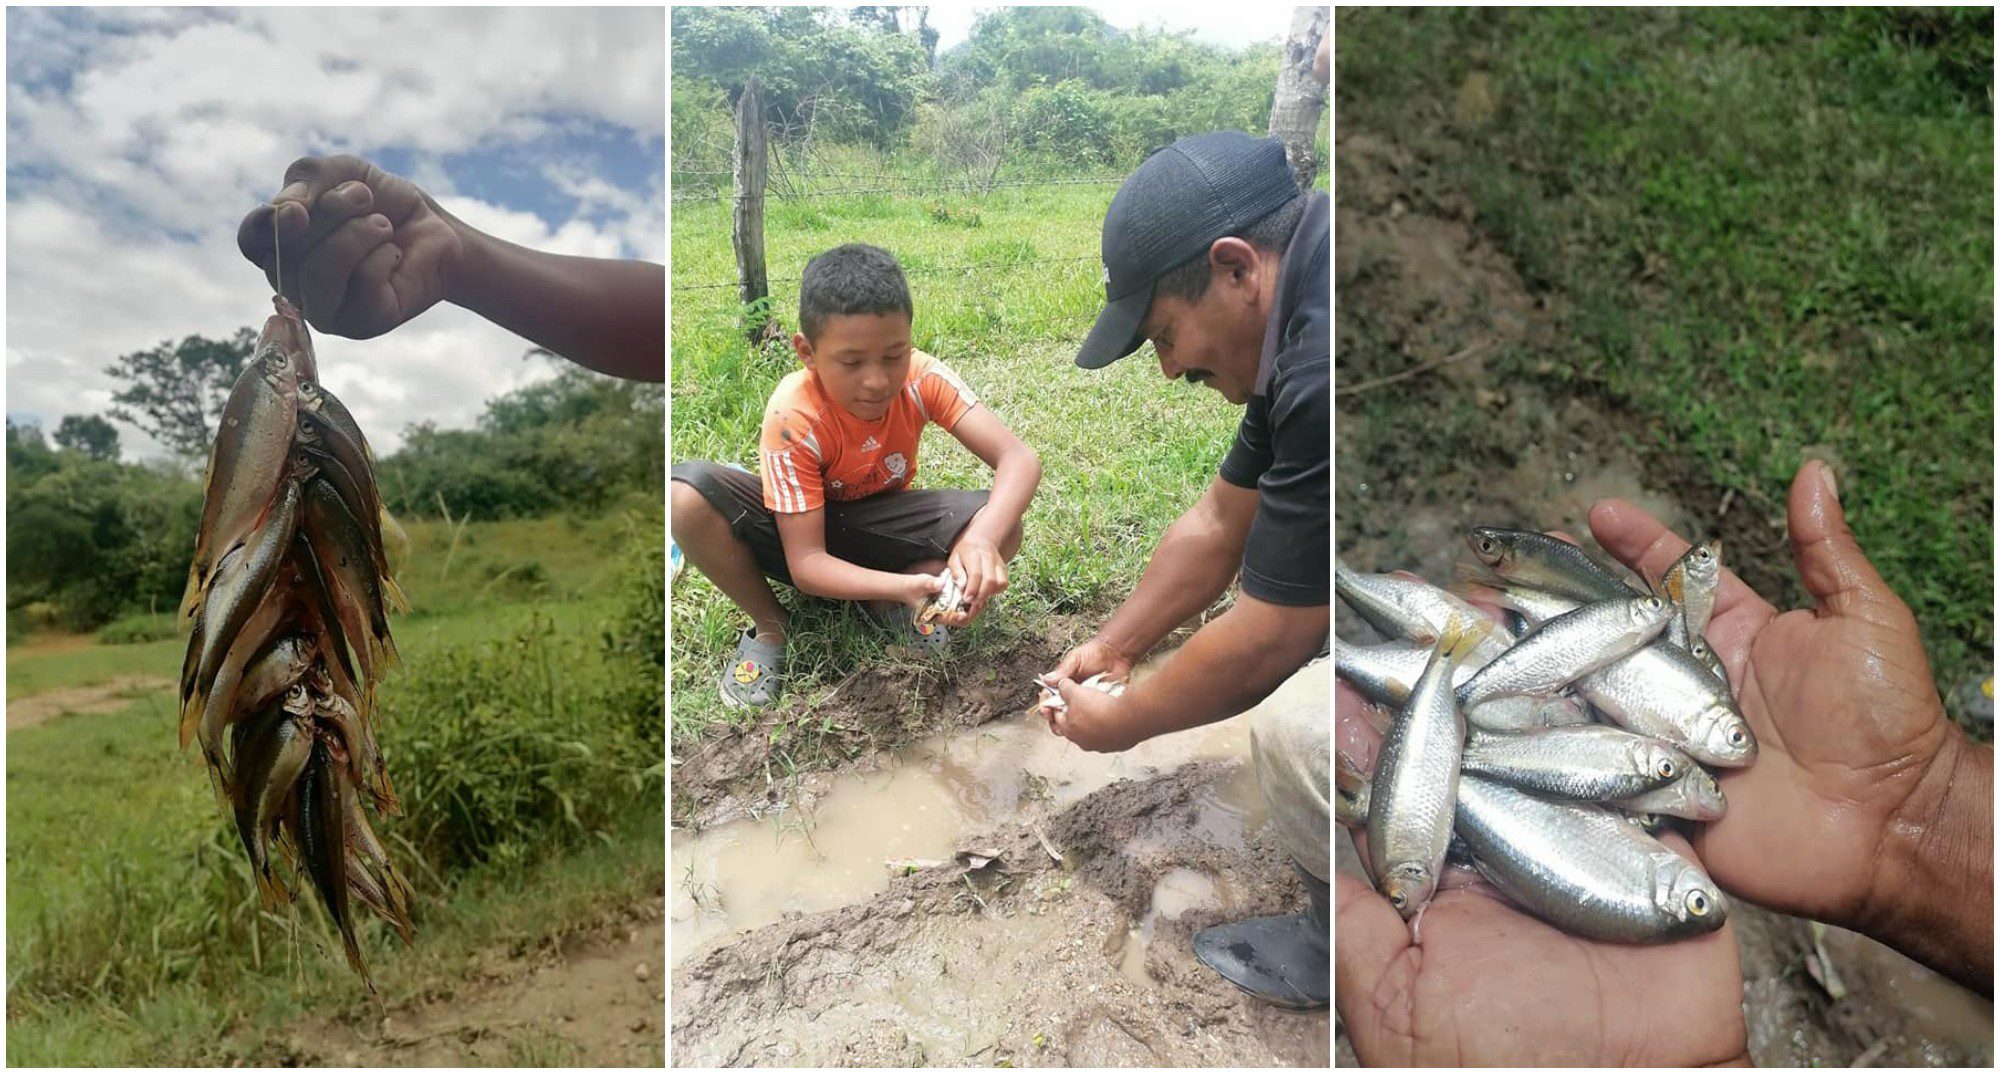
1213	254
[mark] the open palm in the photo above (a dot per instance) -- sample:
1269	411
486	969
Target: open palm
1491	984
1840	696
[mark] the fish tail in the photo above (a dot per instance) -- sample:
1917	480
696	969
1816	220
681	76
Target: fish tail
393	596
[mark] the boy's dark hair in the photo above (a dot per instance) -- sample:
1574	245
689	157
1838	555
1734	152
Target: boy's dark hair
1188	280
851	279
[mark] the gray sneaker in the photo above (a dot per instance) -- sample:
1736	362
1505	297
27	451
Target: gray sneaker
755	675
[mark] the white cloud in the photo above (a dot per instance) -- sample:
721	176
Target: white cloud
138	139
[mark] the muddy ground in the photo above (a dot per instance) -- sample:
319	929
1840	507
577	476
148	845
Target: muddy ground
1422	458
1024	962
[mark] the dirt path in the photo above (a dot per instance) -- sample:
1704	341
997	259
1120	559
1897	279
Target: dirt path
1024	964
108	696
594	1000
1423	459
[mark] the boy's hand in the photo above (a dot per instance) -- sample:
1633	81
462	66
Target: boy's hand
919	590
982	571
363	251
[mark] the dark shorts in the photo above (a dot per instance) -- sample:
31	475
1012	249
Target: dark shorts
886	532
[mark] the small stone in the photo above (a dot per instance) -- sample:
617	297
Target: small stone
642	971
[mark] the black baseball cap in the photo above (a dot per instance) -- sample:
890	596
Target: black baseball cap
1169	212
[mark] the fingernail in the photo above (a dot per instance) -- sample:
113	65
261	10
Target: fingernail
1826	475
378	220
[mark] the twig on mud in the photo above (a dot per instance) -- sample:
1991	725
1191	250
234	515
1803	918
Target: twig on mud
1415	370
1873	1053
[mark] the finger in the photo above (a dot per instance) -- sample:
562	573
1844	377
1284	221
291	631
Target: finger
371	293
1372	938
1646	545
307	178
329	267
1356	738
348	201
1830	562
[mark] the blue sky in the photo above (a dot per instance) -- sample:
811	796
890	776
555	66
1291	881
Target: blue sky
134	148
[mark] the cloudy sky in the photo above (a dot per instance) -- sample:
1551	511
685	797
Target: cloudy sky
137	139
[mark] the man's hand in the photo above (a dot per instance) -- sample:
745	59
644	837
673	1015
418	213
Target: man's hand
1092	719
1094	657
363	251
983	572
1493	985
1867	807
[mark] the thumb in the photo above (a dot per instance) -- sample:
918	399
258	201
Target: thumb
1373	938
1830	563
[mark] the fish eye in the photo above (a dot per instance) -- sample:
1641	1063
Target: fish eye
1666	768
1736	736
1697	903
1398	899
1488	545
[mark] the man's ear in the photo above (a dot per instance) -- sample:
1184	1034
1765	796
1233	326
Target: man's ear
1233	262
802	347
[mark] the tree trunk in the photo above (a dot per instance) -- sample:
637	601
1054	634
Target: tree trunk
1296	108
748	170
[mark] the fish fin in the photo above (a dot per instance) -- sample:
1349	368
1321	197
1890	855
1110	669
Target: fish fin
1478	573
1378	718
393	596
1461	637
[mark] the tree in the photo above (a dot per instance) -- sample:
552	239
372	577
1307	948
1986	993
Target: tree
90	434
1295	106
176	391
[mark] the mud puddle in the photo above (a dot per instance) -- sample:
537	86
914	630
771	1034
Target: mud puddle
1066	940
918	807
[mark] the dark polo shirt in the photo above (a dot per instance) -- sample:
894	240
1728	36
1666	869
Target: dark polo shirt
1282	446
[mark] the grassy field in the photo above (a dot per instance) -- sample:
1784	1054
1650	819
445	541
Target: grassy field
1770	234
1005	285
516	737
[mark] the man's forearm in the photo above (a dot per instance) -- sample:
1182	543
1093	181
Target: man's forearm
1230	664
607	314
1939	910
1195	561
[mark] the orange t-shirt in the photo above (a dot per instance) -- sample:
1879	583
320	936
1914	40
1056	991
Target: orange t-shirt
813	450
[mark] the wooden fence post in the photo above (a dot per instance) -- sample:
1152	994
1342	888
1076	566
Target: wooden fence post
1296	108
748	170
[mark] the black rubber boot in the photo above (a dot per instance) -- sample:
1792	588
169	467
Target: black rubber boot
1281	960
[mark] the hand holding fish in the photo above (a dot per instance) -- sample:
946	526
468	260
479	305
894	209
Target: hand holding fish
984	571
362	250
1091	714
1868	807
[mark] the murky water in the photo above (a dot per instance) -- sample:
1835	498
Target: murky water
929	802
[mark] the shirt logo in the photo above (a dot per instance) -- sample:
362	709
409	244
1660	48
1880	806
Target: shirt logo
870	444
896	464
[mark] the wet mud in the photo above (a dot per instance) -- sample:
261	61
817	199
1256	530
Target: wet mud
1422	459
974	890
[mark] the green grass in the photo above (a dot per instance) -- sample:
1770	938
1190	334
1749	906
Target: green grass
1770	232
516	737
1123	451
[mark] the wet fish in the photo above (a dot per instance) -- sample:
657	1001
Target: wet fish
345	560
1416	772
1691	583
1412	609
249	458
1664	692
1704	654
1694	796
1539	561
236	593
271	752
321	836
1384	674
276	670
1568	647
1592	763
1351	790
1583	867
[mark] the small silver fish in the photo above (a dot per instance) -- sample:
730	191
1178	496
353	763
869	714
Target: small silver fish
1584	868
1412	609
1664	692
1694	796
1416	774
1593	763
1384	674
1568	647
1540	561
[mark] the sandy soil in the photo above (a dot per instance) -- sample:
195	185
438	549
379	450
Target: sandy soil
108	696
1422	459
596	999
